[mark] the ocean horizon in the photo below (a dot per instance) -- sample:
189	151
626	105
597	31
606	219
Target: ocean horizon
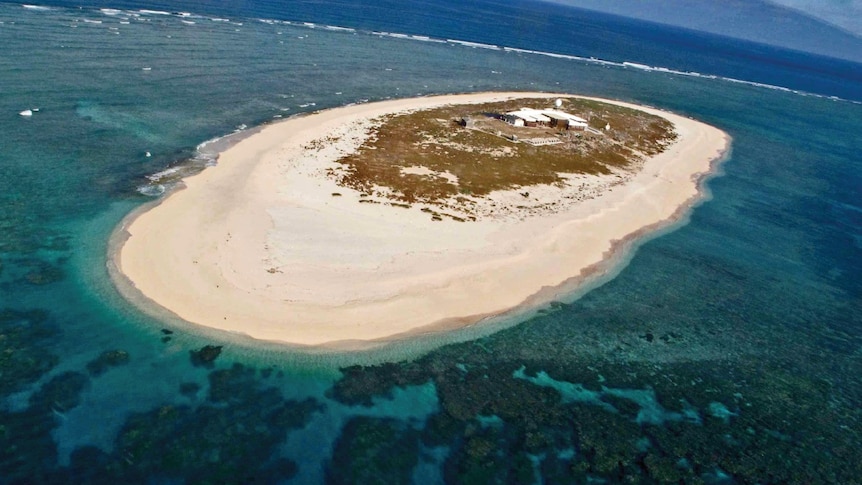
726	349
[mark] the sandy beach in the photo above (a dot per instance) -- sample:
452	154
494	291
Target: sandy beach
258	245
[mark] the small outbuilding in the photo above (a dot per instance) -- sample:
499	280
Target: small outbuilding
467	122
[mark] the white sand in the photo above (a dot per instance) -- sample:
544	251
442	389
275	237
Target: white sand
258	244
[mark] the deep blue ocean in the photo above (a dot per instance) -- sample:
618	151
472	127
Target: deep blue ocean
726	350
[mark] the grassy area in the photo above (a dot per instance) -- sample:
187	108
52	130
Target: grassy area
483	158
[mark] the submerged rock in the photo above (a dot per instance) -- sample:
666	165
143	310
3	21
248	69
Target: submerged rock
108	359
189	389
206	355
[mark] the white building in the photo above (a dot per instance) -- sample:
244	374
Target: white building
527	117
565	120
552	117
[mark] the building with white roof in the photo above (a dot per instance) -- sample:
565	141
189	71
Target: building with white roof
527	117
552	117
553	113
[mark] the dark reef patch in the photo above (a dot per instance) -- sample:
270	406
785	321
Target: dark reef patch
374	451
205	356
233	437
27	449
23	359
106	360
749	419
40	272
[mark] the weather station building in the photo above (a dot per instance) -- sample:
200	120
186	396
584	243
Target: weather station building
526	117
563	120
545	117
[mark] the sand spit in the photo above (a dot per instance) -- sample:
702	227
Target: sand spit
261	244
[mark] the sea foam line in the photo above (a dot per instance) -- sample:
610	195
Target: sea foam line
153	12
589	60
478	45
605	62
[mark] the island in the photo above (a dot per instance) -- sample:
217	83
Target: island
376	222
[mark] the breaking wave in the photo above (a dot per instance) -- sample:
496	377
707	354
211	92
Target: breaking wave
187	18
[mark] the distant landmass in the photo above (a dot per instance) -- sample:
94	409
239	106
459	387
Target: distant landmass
846	14
822	28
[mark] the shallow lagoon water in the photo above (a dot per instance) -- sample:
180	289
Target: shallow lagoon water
746	319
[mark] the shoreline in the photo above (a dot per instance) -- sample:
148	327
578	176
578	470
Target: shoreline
614	261
339	323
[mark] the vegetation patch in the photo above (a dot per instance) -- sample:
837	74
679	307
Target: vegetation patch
444	154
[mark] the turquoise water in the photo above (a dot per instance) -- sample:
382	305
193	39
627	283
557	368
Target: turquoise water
726	350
